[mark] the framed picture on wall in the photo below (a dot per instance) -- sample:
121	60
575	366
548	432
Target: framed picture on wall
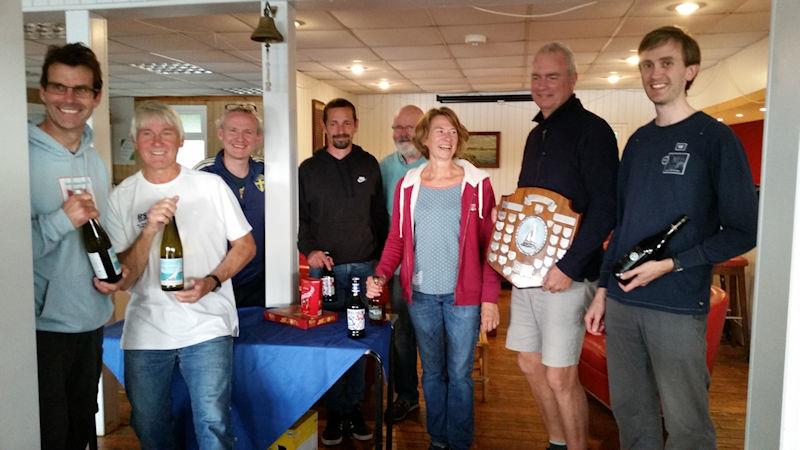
317	130
483	149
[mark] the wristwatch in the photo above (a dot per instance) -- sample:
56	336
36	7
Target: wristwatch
216	280
676	265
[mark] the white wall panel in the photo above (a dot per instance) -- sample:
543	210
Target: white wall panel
311	89
625	110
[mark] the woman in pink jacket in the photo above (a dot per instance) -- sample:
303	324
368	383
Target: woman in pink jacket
441	226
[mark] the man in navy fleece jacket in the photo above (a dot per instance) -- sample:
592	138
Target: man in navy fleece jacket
683	162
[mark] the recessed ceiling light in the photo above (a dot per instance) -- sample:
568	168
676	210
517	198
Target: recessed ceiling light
173	68
357	69
739	115
384	84
720	119
45	30
298	23
244	91
614	78
762	109
686	8
632	60
475	39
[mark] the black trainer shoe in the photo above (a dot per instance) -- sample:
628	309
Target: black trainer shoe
358	429
332	435
400	409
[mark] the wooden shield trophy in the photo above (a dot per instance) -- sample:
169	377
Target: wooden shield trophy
534	229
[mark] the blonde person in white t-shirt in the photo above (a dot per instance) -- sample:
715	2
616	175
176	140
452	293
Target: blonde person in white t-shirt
192	329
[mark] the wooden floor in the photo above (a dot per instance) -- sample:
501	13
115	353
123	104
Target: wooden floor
508	419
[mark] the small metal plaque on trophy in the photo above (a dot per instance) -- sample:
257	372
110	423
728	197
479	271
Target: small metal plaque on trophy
534	229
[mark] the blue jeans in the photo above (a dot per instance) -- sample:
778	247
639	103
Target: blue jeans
206	368
446	336
344	397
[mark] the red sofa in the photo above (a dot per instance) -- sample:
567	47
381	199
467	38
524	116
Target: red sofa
592	368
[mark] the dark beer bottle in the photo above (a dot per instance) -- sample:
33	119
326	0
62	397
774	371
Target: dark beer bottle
651	248
375	310
101	255
171	258
356	312
328	281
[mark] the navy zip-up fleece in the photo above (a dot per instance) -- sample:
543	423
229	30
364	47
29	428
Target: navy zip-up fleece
574	153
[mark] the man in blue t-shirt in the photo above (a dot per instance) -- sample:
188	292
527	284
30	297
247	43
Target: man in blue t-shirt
241	131
683	162
393	167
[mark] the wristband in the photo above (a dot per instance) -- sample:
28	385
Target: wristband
216	280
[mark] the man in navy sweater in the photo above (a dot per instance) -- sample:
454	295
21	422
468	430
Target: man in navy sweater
683	162
572	152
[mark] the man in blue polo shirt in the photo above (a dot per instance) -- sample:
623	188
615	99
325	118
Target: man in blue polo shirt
241	131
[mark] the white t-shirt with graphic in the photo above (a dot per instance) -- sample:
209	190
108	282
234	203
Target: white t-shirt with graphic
208	216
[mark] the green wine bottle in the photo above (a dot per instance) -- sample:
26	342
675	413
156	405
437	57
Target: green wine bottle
171	258
101	255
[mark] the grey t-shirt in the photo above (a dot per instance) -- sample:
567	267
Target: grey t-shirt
437	219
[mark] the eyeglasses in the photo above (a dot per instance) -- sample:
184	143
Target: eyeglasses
241	107
77	91
403	128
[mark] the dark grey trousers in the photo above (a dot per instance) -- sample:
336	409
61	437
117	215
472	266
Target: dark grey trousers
657	364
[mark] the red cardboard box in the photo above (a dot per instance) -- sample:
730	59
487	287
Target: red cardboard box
291	315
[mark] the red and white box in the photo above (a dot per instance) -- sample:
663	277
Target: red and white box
311	297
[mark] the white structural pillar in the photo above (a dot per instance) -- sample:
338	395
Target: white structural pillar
773	416
82	26
19	401
280	158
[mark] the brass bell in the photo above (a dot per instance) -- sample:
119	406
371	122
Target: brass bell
266	31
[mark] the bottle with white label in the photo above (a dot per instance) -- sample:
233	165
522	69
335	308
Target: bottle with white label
356	312
171	258
101	254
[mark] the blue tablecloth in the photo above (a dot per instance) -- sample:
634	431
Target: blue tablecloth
279	372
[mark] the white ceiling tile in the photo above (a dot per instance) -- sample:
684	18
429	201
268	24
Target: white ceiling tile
369	66
130	27
317	20
247	76
343	84
694	24
495	33
758	21
661	8
754	6
467	15
324	75
310	67
223	23
580	58
423	64
497	61
441	81
377	18
412	53
326	39
515	72
564	30
432	73
729	40
624	43
497	80
228	41
162	42
372	76
386	37
338	55
575	44
34	48
232	67
488	50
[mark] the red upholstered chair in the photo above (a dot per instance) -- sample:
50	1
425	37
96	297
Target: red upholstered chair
592	368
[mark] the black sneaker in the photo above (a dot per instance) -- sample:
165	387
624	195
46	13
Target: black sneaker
358	429
332	435
400	409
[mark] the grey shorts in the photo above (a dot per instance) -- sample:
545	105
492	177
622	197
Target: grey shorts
550	324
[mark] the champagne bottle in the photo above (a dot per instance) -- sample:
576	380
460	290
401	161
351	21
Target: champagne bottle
356	312
328	281
650	248
101	255
171	258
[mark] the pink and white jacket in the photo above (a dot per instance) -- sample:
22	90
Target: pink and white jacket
477	282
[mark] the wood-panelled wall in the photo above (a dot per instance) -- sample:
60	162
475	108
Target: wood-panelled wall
625	110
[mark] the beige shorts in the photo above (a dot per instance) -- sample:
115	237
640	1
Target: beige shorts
550	323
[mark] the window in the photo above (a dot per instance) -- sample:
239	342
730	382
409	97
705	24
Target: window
194	129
